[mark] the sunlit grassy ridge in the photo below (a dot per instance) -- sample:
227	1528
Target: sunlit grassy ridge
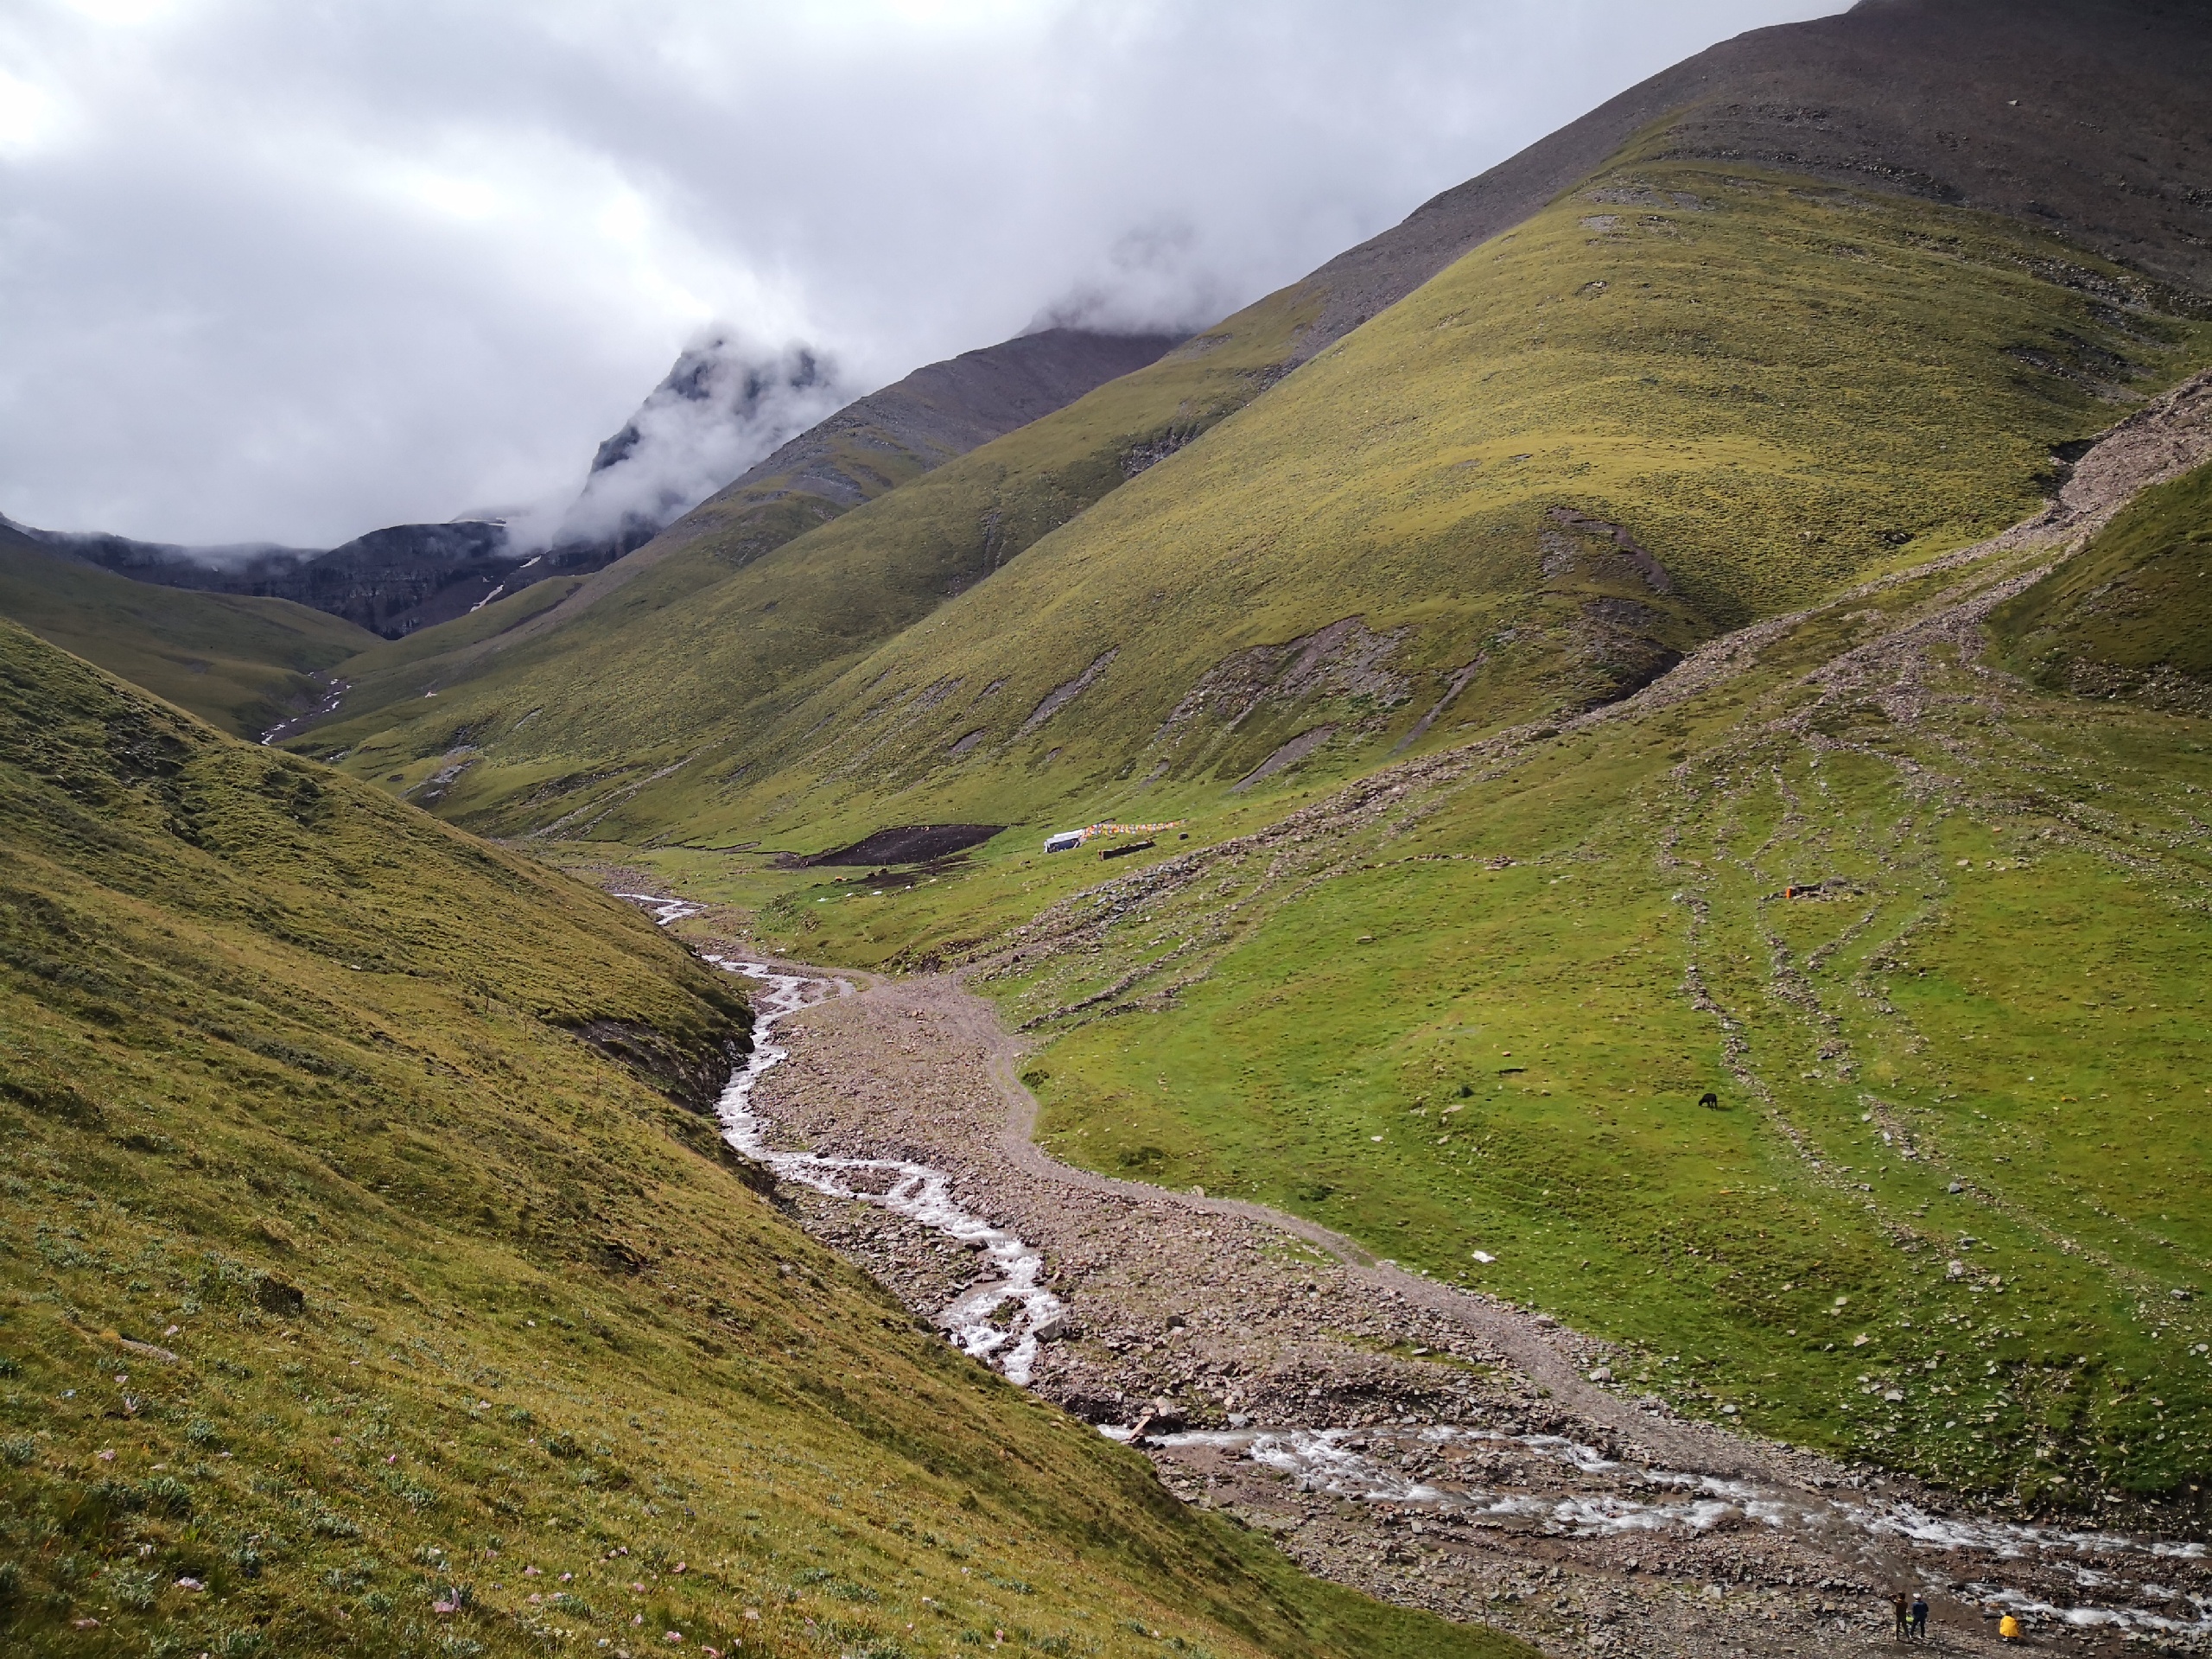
241	662
1774	387
2134	615
1960	1156
355	1298
1771	386
737	625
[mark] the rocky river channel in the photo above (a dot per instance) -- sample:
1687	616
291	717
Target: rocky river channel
1423	1443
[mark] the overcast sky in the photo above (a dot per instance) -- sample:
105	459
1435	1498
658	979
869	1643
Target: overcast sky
290	269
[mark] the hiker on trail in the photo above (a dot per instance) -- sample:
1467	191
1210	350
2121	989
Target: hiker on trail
2008	1629
1919	1617
1897	1607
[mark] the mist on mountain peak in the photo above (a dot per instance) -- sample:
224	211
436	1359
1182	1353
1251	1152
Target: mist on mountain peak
1154	279
729	401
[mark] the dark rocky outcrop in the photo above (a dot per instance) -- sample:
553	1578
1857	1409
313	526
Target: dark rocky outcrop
690	1071
391	580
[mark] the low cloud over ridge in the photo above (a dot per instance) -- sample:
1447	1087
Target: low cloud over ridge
727	404
284	273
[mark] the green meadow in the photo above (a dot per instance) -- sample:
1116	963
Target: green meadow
1947	1215
374	1280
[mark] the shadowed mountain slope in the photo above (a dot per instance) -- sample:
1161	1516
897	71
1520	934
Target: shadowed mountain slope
390	581
2083	114
377	1280
240	662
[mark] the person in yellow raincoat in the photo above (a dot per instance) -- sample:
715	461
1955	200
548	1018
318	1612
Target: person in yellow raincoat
2008	1629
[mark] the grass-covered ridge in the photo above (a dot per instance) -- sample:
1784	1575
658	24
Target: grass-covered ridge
1952	1215
745	615
1768	386
242	663
364	1292
867	449
2132	615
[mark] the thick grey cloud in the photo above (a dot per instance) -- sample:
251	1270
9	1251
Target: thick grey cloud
291	269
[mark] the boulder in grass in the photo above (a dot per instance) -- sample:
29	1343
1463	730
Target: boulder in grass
273	1295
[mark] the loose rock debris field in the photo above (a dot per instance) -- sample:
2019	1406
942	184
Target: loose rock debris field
1425	1445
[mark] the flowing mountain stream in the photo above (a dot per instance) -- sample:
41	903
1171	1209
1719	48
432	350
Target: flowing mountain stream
1464	1494
1003	1319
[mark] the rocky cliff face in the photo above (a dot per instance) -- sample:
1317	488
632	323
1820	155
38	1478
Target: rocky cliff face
725	405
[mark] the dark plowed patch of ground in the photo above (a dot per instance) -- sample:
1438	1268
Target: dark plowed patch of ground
908	843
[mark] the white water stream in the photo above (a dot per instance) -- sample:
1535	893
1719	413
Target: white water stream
1629	1499
1003	1320
998	1320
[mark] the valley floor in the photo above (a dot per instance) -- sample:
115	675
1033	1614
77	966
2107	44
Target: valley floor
1427	1446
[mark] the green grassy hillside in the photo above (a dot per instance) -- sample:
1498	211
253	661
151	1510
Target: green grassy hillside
1678	398
1932	933
364	1292
736	624
2132	617
405	670
243	663
1952	1214
868	448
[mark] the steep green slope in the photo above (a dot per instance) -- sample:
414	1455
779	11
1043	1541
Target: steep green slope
734	621
407	668
361	1294
2132	616
872	446
1678	398
1919	99
1934	937
241	662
